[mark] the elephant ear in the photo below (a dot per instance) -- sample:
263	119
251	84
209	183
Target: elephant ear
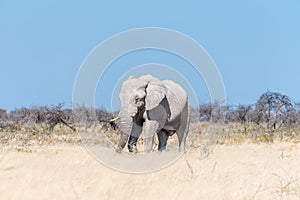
155	94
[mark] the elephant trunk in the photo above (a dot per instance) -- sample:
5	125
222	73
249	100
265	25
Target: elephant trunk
126	123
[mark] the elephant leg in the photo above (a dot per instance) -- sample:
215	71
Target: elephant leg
181	134
122	142
132	144
134	136
162	140
183	128
151	127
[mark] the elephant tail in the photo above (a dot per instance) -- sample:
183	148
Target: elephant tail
183	130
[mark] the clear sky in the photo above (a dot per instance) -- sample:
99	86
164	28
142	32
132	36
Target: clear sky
255	44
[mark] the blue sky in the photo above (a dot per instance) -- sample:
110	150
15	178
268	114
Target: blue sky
255	44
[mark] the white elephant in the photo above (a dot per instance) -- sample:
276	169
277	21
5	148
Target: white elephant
160	107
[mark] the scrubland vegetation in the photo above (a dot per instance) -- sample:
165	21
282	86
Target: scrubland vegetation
274	117
252	152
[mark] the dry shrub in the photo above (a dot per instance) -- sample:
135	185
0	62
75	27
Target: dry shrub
272	118
234	133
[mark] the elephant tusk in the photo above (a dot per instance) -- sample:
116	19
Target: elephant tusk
114	119
112	123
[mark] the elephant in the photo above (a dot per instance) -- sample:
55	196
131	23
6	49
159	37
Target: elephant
155	107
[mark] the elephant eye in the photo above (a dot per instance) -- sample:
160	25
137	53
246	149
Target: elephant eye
136	99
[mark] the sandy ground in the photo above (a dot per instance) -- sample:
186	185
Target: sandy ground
246	171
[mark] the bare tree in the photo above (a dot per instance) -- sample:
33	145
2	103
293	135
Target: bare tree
205	112
239	114
214	112
297	112
103	115
51	116
275	109
55	115
3	115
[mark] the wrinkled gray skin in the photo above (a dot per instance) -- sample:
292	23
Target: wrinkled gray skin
160	107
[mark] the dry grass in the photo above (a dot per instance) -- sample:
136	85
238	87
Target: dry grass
235	133
200	135
236	166
244	171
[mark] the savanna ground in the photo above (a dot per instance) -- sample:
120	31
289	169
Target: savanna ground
232	161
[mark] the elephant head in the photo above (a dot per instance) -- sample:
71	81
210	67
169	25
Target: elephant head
137	96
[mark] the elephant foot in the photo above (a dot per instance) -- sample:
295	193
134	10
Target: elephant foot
132	144
182	149
132	148
162	149
119	149
162	140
